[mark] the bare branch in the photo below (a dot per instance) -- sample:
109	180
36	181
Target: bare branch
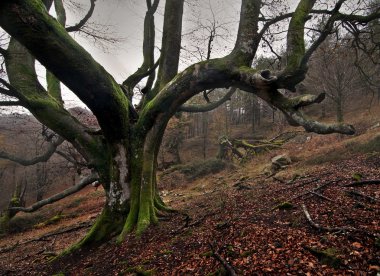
319	227
9	103
210	106
71	159
81	23
41	158
82	184
135	78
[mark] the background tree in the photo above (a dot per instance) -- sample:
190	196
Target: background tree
334	73
123	152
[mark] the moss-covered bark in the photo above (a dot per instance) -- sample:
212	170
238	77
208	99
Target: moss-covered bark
8	214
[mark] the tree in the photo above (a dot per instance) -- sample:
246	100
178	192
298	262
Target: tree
333	73
123	152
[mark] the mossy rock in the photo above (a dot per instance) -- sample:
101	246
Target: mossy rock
284	206
327	257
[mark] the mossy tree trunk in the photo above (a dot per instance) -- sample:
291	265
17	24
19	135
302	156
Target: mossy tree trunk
17	200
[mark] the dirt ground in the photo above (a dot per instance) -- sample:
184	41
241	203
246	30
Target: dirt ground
238	219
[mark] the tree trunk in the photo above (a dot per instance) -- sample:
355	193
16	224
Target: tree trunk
132	199
16	201
339	110
339	106
205	132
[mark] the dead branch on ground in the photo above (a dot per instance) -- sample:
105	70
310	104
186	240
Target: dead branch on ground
315	190
50	234
230	270
319	227
358	194
363	183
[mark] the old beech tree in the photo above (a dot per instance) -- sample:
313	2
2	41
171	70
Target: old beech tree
123	153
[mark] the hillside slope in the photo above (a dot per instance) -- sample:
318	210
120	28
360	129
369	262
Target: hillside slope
255	223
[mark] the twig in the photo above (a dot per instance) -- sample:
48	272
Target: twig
356	193
230	270
363	183
319	227
321	196
314	190
299	185
188	224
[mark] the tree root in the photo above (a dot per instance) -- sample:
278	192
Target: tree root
104	228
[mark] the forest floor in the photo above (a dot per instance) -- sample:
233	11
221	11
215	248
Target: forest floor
237	219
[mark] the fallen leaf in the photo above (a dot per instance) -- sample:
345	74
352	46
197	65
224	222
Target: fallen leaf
357	245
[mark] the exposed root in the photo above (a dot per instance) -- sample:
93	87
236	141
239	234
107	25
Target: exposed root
106	225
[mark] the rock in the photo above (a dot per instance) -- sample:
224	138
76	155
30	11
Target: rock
277	163
281	160
375	126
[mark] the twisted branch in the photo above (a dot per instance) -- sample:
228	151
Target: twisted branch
81	23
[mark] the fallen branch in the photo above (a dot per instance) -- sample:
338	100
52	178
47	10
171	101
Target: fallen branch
322	196
314	191
188	224
319	227
356	194
363	183
230	270
50	234
86	181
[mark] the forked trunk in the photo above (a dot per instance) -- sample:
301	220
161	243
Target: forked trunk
132	198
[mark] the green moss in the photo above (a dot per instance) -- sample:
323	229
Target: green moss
377	242
53	220
327	257
284	206
140	271
246	253
206	254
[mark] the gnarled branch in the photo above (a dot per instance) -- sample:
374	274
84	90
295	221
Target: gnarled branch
193	108
81	23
